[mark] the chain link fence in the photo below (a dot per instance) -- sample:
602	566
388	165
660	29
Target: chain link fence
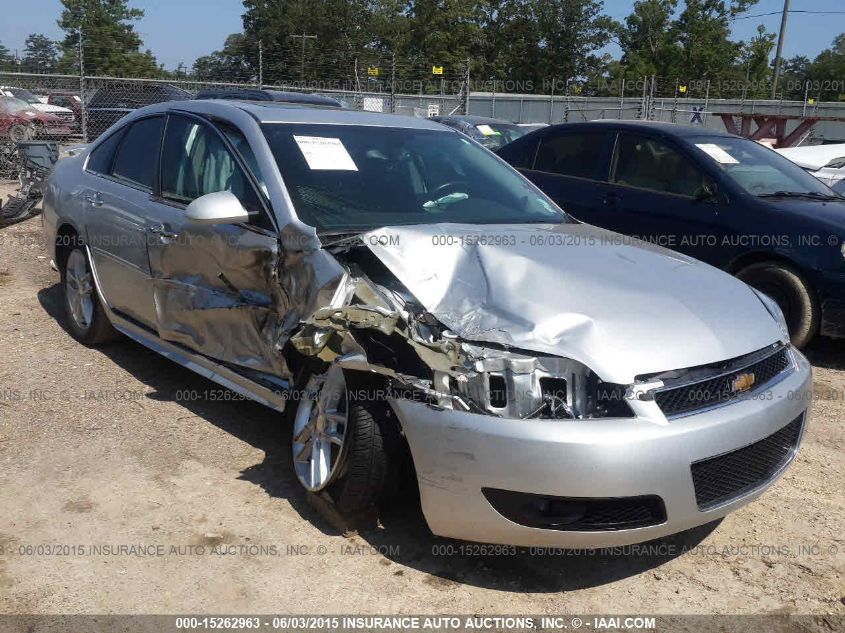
74	109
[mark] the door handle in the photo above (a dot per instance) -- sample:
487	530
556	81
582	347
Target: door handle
95	199
610	198
162	231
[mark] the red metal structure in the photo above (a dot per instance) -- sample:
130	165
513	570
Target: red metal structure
772	126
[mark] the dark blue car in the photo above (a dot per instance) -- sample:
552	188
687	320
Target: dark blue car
720	198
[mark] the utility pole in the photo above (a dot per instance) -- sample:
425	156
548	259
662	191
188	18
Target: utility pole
82	101
260	65
302	59
779	53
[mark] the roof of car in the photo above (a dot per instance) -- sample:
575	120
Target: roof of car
280	112
470	118
255	94
670	129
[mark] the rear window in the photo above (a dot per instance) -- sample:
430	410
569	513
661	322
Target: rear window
102	156
137	156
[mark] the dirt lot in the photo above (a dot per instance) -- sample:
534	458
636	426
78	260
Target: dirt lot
101	449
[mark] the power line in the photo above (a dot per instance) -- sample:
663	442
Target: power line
762	15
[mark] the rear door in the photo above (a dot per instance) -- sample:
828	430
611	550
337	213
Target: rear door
656	191
119	184
215	287
568	165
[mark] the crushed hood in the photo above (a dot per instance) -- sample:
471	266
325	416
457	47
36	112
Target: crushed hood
573	290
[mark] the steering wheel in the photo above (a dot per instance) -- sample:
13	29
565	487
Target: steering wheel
441	191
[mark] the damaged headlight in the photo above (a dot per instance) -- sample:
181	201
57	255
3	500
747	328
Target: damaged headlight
513	385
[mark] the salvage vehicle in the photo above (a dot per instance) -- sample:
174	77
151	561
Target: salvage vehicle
41	124
725	200
66	115
416	308
491	133
825	162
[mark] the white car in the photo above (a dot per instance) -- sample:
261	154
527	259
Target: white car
66	114
825	162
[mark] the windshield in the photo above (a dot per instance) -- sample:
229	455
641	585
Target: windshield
24	95
357	178
757	169
496	135
10	105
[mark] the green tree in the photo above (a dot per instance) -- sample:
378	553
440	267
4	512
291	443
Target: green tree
827	72
648	40
231	63
6	58
110	44
754	62
39	54
702	32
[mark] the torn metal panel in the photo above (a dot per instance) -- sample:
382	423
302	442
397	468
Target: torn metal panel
575	291
217	291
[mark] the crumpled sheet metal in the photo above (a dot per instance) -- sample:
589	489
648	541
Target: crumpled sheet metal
220	305
572	290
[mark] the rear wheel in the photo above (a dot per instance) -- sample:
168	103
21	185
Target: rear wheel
86	319
793	295
341	442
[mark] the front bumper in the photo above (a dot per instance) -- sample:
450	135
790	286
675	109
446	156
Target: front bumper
456	454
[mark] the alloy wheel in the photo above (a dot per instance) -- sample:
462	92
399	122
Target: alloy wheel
319	430
79	289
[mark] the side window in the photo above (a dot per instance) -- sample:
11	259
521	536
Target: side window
102	157
649	164
571	154
195	162
520	153
138	153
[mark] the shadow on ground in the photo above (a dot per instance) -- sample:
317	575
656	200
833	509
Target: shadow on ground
403	536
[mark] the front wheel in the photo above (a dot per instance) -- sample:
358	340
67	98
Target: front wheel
341	442
793	295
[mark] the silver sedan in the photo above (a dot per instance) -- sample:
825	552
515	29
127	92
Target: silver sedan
423	316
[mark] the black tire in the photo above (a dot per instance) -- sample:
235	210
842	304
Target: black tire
792	293
99	330
371	457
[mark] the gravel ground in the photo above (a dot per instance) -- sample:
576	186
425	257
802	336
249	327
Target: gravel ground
100	453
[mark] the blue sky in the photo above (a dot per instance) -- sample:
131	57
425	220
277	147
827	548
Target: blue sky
181	30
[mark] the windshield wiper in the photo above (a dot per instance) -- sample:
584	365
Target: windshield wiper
813	195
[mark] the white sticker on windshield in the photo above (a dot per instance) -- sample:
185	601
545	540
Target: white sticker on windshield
717	153
486	130
325	153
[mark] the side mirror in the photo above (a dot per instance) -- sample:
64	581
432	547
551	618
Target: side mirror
220	207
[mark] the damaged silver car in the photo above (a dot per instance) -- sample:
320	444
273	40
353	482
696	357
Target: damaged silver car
413	304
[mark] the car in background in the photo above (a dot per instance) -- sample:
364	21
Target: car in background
398	293
114	101
825	162
531	127
70	101
65	114
23	119
491	133
254	94
720	198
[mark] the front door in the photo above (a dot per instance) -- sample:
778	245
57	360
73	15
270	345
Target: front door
215	286
656	193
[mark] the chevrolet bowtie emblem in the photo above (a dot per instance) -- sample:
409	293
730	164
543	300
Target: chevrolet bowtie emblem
743	382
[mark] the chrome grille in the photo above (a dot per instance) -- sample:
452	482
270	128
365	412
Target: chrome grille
702	394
